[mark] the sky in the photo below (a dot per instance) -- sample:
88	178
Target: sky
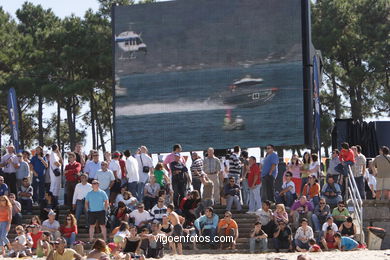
61	8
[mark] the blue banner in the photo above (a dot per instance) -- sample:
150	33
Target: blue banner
13	118
317	107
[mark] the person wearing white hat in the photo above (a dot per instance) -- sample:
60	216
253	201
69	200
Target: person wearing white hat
52	225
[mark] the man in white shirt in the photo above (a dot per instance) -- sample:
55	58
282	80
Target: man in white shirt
141	216
52	225
145	167
80	192
55	163
132	173
105	177
115	166
92	167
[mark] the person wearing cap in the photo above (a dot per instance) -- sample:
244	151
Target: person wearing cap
331	191
92	166
171	157
72	172
10	163
96	203
145	169
59	252
180	179
81	190
23	171
52	225
38	166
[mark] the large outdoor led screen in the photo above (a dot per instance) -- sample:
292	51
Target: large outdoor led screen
208	73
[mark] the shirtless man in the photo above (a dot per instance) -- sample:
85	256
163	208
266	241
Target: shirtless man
173	217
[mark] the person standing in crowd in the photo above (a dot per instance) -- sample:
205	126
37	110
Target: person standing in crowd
10	163
294	166
235	164
4	190
180	179
371	182
96	204
381	169
92	166
333	163
55	164
196	171
25	194
212	167
306	161
331	192
207	195
16	209
171	157
347	157
132	173
232	194
47	174
244	177
38	167
106	178
287	195
116	169
254	181
5	222
269	173
359	169
72	172
145	169
80	192
79	154
23	171
315	167
122	164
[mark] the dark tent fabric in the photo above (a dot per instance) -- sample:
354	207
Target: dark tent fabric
356	133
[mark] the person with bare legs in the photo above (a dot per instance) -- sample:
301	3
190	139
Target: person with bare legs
96	204
177	229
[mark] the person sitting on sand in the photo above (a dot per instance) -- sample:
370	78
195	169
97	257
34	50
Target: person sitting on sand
207	224
302	236
177	229
345	243
313	246
99	250
328	241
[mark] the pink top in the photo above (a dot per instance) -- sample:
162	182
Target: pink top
295	170
171	157
281	216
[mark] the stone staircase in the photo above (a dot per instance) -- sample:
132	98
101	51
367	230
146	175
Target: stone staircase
245	223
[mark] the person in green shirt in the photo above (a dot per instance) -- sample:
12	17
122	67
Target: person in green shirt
340	213
159	174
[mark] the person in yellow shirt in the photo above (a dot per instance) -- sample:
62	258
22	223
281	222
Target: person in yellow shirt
228	228
61	253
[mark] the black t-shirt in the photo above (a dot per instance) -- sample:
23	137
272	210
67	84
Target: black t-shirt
284	234
259	233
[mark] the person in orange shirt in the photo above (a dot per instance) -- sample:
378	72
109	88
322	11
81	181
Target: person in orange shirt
312	190
5	222
228	227
347	157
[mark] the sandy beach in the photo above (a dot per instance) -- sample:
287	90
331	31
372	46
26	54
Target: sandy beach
355	255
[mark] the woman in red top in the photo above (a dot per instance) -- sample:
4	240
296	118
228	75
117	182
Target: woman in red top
347	157
5	222
69	229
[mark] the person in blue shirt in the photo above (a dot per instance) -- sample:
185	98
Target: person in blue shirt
96	203
3	187
39	165
207	224
268	173
345	243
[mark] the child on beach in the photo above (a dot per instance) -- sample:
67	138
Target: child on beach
313	246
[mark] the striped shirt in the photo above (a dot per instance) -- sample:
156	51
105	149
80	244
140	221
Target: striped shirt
196	165
234	164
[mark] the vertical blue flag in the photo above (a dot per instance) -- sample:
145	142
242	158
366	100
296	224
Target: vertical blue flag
317	109
13	118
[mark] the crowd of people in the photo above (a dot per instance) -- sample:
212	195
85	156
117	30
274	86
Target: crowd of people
134	203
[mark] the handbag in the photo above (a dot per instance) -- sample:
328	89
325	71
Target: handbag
145	169
57	172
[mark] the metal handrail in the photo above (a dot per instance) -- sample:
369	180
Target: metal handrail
357	202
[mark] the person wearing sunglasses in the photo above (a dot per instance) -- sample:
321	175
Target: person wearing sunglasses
321	212
269	173
69	230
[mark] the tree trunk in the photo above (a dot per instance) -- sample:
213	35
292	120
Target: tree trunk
58	123
92	105
336	98
40	120
356	109
100	131
69	114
